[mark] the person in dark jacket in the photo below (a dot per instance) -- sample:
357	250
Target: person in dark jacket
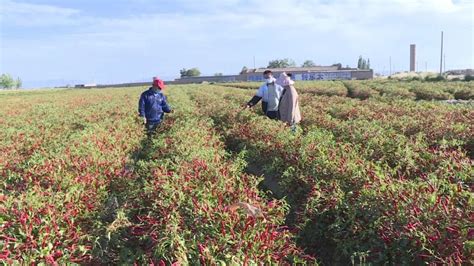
153	105
270	93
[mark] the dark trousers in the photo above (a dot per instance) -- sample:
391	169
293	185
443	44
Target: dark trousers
273	115
270	114
151	128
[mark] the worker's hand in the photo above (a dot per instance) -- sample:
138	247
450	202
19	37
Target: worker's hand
144	120
246	106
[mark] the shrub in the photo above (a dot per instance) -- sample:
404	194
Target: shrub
464	94
435	78
416	78
424	93
328	88
398	92
359	90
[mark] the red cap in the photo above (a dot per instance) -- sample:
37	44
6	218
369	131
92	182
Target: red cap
158	83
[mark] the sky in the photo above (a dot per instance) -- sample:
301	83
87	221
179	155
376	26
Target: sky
59	42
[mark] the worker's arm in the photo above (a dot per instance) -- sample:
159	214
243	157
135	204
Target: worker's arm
165	106
141	107
258	96
255	99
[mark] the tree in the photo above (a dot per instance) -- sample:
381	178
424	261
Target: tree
308	63
218	74
7	82
281	63
363	64
244	70
19	83
183	72
359	62
193	72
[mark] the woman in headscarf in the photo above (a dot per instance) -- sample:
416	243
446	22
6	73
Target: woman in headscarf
289	103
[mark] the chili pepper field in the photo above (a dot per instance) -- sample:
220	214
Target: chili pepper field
377	172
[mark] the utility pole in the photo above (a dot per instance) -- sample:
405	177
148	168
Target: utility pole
444	62
390	63
441	60
254	62
413	61
426	66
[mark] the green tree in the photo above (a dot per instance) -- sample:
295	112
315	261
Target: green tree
359	62
183	72
193	72
218	74
19	83
362	63
308	63
244	70
7	81
281	63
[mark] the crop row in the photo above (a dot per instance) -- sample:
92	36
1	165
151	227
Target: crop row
358	190
80	184
58	154
180	207
380	88
374	123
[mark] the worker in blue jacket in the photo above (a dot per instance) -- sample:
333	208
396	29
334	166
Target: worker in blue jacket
153	105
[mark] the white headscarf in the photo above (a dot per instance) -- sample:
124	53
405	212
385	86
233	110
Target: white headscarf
283	80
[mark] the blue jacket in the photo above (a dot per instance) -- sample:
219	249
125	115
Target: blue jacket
153	105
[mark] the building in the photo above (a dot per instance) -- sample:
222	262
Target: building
412	58
91	85
334	72
200	79
460	72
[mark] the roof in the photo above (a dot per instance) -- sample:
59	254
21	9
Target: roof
295	69
204	77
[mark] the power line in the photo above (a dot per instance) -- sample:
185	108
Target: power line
444	62
441	59
390	63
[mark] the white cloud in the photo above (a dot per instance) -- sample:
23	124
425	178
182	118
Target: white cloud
219	35
36	15
238	16
17	8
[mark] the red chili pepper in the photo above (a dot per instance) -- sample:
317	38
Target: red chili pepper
452	229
